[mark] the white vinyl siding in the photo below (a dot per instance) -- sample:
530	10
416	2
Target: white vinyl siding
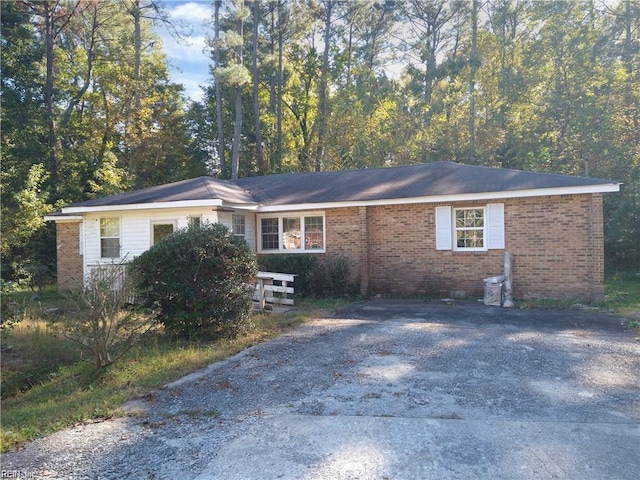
226	218
135	231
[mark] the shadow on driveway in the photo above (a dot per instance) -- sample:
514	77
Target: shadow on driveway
390	390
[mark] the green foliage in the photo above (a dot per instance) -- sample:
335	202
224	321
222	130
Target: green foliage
10	308
328	277
33	273
51	389
305	267
338	271
99	319
201	280
28	246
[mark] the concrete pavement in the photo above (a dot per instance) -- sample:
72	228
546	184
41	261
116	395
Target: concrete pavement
386	390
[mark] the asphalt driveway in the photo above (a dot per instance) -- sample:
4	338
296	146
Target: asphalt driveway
385	390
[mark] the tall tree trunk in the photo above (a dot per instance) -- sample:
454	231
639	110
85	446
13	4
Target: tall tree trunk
630	103
256	90
323	108
219	119
237	129
279	84
349	55
237	133
134	159
473	64
52	140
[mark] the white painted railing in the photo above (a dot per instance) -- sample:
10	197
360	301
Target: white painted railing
112	276
269	293
271	288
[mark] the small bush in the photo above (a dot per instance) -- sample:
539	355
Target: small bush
201	280
10	310
304	266
99	319
338	273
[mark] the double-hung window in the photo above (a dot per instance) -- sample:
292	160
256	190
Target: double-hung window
194	221
161	229
470	228
239	225
109	237
292	233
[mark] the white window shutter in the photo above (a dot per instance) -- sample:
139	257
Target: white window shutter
443	228
495	226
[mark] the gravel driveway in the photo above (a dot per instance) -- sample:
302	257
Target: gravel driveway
385	390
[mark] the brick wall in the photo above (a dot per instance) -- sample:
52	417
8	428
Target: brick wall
69	260
556	241
346	236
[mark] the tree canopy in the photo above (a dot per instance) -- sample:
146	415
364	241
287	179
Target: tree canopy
298	85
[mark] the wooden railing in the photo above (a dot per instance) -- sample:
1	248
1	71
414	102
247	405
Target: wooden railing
113	276
273	289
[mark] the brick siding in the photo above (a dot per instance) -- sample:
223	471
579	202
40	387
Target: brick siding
557	244
556	241
70	271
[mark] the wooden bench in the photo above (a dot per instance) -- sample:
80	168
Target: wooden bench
269	293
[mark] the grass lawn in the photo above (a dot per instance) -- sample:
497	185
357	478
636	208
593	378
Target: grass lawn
46	385
623	294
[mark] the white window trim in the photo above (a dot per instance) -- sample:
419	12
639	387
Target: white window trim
119	237
281	217
191	218
483	228
171	221
494	228
244	224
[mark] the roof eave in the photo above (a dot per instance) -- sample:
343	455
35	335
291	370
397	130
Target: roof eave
61	217
153	206
458	197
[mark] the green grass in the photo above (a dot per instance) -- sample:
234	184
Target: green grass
47	387
622	296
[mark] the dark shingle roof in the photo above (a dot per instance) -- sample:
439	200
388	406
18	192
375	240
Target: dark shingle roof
422	180
200	188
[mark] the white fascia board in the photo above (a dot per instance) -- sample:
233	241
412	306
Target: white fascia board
63	218
464	197
143	206
250	207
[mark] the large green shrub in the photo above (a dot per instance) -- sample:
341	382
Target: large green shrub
328	277
305	267
201	280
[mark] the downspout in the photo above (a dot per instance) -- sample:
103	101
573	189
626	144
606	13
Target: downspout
364	252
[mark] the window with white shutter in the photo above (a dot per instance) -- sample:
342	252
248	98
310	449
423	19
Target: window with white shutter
470	228
443	228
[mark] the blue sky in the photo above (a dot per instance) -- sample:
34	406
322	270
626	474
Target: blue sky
188	64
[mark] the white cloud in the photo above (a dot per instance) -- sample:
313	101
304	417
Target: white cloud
190	50
188	60
190	12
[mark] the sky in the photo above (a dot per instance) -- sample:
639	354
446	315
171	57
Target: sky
188	62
